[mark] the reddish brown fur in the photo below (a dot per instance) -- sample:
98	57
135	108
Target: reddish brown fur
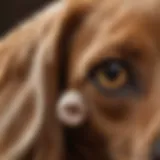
53	52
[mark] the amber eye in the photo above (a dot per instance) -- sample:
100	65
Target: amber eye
112	75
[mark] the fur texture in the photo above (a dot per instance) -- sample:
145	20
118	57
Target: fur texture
52	53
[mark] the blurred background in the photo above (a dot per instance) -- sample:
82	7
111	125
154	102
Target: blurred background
14	11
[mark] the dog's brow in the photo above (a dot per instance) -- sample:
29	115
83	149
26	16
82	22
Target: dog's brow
99	50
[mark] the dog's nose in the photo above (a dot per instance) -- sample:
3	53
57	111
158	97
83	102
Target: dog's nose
155	154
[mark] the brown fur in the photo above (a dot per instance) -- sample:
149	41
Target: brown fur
52	52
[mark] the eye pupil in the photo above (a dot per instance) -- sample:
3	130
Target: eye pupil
112	71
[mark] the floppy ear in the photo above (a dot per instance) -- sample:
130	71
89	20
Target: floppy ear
31	78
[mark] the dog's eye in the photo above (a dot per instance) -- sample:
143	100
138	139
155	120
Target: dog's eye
112	75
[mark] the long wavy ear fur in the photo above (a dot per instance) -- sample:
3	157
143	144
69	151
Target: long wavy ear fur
31	78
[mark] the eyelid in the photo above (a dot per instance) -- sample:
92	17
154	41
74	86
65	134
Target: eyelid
107	61
128	88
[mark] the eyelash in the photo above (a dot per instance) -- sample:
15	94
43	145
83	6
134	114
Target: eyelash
131	85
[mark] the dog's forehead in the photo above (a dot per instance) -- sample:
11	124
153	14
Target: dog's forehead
125	17
116	12
114	24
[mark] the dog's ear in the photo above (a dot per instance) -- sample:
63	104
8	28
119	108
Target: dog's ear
31	73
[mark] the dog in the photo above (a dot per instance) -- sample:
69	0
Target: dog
80	80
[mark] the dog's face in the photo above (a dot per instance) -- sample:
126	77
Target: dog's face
101	58
114	62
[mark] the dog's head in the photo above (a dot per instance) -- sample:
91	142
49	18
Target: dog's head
80	80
